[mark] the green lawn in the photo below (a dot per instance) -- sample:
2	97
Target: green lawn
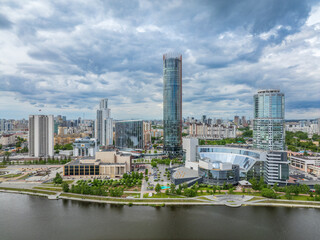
126	200
291	202
299	197
57	185
24	177
161	195
57	189
255	198
27	190
250	194
11	175
135	195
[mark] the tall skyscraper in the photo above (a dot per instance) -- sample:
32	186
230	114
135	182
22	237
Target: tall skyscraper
103	124
268	123
268	134
41	129
172	104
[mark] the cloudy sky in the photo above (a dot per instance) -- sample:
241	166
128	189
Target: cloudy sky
63	56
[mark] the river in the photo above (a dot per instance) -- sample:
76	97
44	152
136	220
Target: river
32	218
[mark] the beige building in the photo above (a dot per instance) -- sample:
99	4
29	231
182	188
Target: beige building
212	131
7	139
307	164
106	164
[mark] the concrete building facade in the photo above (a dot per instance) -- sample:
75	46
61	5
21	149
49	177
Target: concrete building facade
41	131
104	124
105	164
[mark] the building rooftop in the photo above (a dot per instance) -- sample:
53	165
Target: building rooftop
183	172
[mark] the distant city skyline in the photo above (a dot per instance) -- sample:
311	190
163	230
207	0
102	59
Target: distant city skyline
63	58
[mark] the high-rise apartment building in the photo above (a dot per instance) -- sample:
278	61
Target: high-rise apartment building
41	129
172	104
103	124
268	123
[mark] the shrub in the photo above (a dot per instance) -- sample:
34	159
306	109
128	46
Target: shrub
268	193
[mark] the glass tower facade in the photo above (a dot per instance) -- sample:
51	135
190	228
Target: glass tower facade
268	123
129	134
172	104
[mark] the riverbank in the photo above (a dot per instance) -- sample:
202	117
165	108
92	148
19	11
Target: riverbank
212	200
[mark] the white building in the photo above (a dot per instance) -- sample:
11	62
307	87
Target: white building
189	146
41	130
85	147
103	124
308	127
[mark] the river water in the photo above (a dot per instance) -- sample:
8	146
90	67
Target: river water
32	218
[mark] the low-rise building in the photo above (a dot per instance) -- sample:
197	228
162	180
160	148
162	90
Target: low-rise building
307	164
212	131
105	164
7	139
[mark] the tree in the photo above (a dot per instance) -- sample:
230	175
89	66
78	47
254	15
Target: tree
317	188
189	192
304	188
224	187
57	179
158	188
172	188
146	172
230	191
65	187
269	193
254	183
275	187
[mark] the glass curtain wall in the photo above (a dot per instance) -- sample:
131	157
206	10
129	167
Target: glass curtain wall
172	104
268	123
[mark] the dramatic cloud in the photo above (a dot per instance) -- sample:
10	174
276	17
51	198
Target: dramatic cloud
63	56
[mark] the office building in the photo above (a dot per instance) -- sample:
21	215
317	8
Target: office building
172	104
268	123
105	164
41	129
103	124
85	147
269	134
276	168
230	164
129	134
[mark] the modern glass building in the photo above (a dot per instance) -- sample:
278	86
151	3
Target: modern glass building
172	104
221	162
268	123
129	134
269	134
